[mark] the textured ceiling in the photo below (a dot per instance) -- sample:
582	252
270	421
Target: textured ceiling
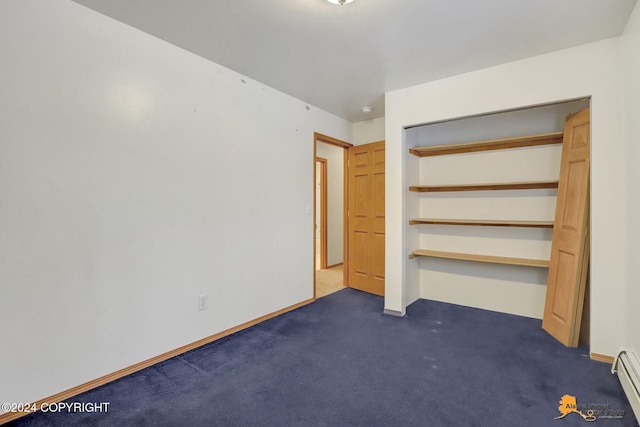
340	58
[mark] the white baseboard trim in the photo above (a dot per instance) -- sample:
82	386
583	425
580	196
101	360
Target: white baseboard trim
393	313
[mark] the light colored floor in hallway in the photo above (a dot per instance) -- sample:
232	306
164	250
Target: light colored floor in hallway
328	281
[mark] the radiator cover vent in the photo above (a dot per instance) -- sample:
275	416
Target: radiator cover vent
627	367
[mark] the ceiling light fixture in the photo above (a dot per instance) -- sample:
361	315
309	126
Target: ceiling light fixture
340	2
366	109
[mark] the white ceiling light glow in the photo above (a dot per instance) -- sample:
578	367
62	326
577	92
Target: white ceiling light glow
340	2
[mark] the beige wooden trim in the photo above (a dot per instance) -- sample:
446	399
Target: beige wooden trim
495	144
74	391
315	150
323	213
329	140
318	137
345	218
602	358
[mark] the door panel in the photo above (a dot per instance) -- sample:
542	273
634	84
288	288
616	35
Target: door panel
366	218
361	196
570	246
575	189
378	256
360	246
378	195
361	159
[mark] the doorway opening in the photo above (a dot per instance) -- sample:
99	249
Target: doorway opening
330	215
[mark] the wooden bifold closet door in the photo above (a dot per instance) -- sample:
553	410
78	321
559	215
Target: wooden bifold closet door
570	247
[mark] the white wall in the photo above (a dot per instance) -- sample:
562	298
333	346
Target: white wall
588	70
508	289
368	131
335	200
135	176
631	64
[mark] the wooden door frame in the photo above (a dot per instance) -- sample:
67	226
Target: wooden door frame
318	137
323	210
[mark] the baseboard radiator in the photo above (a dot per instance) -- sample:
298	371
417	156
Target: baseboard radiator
627	367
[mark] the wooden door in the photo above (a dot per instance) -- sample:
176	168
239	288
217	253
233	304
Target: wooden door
366	218
570	247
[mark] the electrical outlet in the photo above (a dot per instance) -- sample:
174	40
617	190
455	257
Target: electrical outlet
203	302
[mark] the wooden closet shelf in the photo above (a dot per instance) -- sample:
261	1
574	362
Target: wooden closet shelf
481	258
530	185
496	144
483	222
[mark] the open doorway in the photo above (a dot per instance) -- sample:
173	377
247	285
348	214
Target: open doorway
330	214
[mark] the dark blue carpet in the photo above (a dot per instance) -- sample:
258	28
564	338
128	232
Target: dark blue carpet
341	362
